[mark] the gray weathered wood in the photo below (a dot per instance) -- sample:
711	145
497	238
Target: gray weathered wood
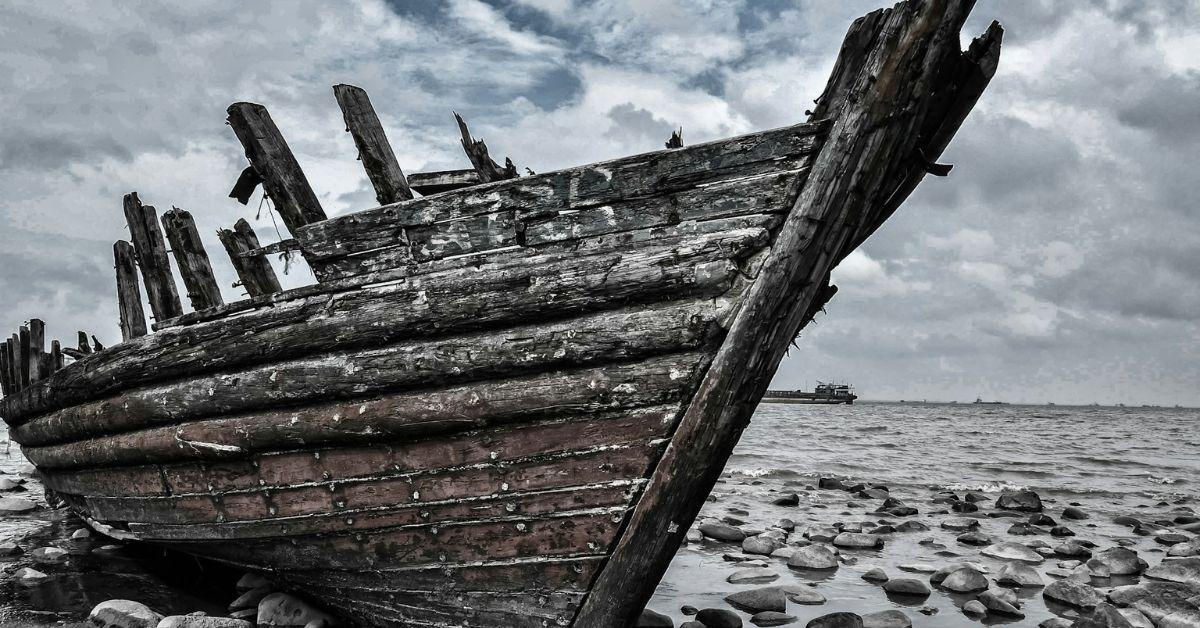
897	90
477	151
56	356
374	150
676	139
38	366
96	346
152	259
84	346
283	179
442	180
15	370
6	369
255	271
282	246
129	295
190	256
24	357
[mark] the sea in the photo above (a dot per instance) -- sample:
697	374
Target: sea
1141	462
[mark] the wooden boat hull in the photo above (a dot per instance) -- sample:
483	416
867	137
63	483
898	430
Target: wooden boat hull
504	405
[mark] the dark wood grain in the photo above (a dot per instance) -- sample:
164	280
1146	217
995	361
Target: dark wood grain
192	259
255	273
374	150
129	295
152	259
282	178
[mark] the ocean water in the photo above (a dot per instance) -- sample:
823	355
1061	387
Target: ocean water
1143	462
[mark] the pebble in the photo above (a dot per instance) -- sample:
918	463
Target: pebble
836	620
282	609
965	580
16	505
1072	593
757	600
875	575
756	575
193	621
906	586
772	618
1012	551
49	555
123	614
857	540
960	523
651	619
29	577
722	532
719	618
813	557
886	619
1020	575
1022	501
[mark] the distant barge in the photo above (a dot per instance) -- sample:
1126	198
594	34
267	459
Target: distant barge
823	393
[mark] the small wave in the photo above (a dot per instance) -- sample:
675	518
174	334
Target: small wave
765	473
1165	480
987	487
872	428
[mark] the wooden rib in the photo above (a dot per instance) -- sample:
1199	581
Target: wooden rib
374	151
477	151
192	260
84	346
255	271
25	355
910	53
283	179
6	381
16	377
129	295
56	356
152	258
650	174
569	285
38	368
438	181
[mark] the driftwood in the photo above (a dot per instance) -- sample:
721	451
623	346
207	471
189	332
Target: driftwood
152	259
192	260
255	271
129	296
269	155
477	151
442	180
374	151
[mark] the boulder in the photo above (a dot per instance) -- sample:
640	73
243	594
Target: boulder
1072	549
772	618
965	580
651	619
1105	616
807	596
719	618
123	614
763	544
857	540
787	500
1186	570
1072	593
975	538
1012	551
195	621
1185	550
719	531
283	609
907	587
1020	575
836	620
886	619
758	600
1021	501
16	505
996	603
1074	514
875	575
974	608
755	575
813	557
1116	561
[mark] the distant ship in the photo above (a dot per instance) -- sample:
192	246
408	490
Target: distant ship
980	401
823	393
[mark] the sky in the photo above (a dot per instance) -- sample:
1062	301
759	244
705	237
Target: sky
1060	261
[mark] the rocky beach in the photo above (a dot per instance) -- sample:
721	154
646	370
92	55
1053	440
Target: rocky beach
877	515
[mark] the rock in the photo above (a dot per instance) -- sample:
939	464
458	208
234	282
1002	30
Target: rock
912	526
875	575
783	552
788	500
821	534
907	587
758	600
1117	561
29	577
1012	551
282	609
252	581
1074	514
719	618
886	619
964	507
1171	538
1020	575
772	618
1061	531
123	614
1072	549
1105	616
1182	550
836	620
897	508
688	610
960	524
1055	622
1024	529
974	608
995	603
651	619
757	575
974	538
813	557
718	531
857	540
1186	570
49	555
1136	618
873	493
761	544
830	484
81	534
1072	593
193	621
9	484
16	505
10	549
965	580
1127	521
1022	501
918	568
807	596
251	598
692	624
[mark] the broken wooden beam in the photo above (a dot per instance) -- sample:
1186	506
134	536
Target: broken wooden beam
84	347
374	151
282	246
96	346
152	259
38	369
269	155
676	140
194	266
24	353
477	152
255	272
13	347
443	180
6	383
56	356
129	296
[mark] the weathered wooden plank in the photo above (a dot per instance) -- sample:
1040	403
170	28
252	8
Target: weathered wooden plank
532	608
638	176
374	150
255	272
898	89
56	356
6	369
472	235
477	151
282	246
269	155
568	284
129	295
13	346
25	356
434	182
152	259
38	367
190	256
564	574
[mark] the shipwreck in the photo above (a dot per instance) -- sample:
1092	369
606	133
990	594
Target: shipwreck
506	397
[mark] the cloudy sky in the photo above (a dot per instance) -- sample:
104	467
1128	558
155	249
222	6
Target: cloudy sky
1060	261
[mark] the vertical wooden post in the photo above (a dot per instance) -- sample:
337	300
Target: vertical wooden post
6	386
38	369
56	356
24	354
256	274
282	177
152	258
14	363
96	346
194	266
477	152
129	297
84	347
374	151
